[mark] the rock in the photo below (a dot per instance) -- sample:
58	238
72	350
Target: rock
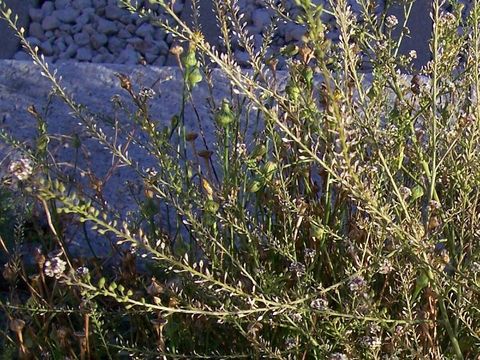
131	28
107	27
161	60
124	34
68	40
47	8
113	12
62	4
47	48
98	59
35	14
81	39
150	57
294	32
50	22
177	7
33	41
65	28
66	15
115	45
49	34
36	30
261	18
164	48
60	44
128	56
144	30
81	4
159	34
242	57
126	18
99	3
98	40
71	51
21	55
139	44
84	54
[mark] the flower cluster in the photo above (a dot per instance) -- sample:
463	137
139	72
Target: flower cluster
54	266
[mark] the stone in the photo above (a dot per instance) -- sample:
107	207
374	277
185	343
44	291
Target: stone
161	60
159	34
178	7
144	30
47	8
150	57
71	51
36	30
22	55
65	28
99	3
50	22
128	56
99	58
261	18
242	57
113	12
62	4
35	14
68	16
60	44
115	45
33	41
124	34
81	4
98	40
84	54
81	39
46	48
294	32
68	40
139	44
107	27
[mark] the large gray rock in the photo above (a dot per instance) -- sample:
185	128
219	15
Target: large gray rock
21	85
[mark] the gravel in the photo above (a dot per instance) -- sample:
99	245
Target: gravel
102	31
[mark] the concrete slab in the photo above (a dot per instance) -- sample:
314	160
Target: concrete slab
8	40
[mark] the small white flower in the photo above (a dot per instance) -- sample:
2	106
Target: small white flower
338	356
54	267
412	54
386	267
319	304
20	168
391	21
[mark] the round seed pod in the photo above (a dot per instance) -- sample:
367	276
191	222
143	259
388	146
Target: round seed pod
190	60
194	77
225	116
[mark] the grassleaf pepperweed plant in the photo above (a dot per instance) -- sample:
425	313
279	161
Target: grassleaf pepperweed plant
330	214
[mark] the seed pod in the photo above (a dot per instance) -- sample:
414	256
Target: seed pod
191	136
194	77
254	185
258	151
211	207
190	60
269	169
293	91
225	116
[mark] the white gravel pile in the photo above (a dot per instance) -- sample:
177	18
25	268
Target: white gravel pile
99	31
